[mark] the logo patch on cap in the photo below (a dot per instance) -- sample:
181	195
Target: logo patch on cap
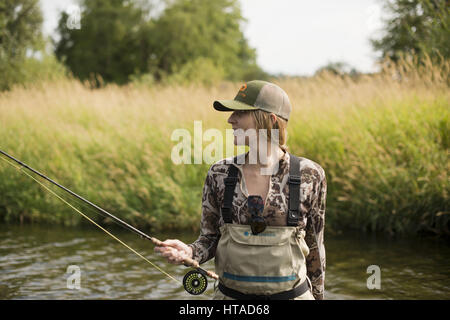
241	91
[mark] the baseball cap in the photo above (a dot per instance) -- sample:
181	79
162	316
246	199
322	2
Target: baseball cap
258	95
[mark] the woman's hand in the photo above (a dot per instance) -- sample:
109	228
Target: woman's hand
174	250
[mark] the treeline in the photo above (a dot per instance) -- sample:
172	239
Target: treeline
118	41
178	41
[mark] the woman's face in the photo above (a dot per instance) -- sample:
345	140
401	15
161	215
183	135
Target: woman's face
241	120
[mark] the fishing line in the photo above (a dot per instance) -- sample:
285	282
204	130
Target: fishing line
95	223
84	207
195	282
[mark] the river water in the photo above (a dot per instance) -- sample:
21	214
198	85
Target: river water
34	262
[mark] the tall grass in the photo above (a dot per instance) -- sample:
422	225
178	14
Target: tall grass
384	143
382	139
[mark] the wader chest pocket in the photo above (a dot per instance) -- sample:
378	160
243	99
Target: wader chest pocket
272	236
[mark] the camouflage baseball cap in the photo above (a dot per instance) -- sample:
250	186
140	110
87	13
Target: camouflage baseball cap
258	94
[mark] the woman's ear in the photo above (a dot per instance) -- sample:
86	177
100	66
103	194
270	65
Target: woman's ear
273	118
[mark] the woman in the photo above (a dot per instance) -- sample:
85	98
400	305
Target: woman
271	248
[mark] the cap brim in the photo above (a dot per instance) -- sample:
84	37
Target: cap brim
231	105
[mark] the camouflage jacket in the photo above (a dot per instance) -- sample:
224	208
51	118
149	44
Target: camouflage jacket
313	192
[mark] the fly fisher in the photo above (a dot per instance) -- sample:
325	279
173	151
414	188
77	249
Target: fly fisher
263	213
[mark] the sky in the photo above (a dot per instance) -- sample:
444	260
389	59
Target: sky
294	37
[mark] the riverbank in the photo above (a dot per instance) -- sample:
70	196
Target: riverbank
383	141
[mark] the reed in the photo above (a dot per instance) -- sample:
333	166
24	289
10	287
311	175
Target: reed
382	139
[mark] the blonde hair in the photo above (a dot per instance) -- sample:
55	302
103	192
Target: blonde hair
263	121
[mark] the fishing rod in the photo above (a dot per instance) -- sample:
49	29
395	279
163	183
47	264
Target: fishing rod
194	282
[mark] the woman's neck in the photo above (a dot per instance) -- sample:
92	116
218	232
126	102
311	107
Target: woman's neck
266	160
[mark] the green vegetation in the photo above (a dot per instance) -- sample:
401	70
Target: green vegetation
415	27
382	140
121	40
20	22
199	41
384	144
112	43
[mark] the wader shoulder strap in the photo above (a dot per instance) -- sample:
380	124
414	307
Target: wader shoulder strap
294	201
230	184
294	190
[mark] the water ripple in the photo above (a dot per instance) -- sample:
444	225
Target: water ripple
34	262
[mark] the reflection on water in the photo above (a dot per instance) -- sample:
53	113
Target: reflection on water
34	261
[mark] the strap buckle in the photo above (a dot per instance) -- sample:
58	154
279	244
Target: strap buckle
293	214
293	218
294	179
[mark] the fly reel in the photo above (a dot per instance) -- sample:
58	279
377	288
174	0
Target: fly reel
195	282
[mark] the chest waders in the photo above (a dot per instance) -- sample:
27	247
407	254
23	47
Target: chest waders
269	265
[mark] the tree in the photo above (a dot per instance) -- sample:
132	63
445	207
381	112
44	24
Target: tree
20	32
121	40
112	41
339	68
420	27
202	30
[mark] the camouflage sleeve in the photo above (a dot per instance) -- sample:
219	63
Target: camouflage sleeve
204	248
315	263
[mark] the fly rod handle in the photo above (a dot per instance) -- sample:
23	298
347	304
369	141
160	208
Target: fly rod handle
189	262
